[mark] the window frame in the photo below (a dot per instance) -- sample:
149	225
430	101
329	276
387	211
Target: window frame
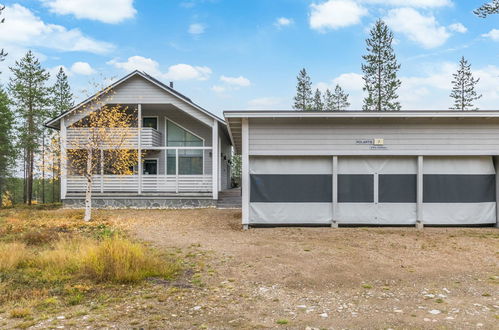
151	117
189	131
144	162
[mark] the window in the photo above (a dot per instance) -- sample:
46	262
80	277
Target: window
189	161
150	166
150	122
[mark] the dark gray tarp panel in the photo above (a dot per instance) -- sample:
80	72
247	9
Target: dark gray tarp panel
355	188
459	188
291	188
397	188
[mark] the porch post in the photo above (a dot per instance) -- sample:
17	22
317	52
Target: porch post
245	182
139	146
334	191
64	160
102	170
215	156
419	191
176	170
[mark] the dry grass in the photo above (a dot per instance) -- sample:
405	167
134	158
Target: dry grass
12	255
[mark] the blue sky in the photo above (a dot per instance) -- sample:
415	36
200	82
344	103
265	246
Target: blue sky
228	54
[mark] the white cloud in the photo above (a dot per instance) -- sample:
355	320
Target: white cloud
411	3
107	11
196	29
334	14
283	21
140	63
237	81
174	72
492	34
425	30
23	28
82	68
218	88
458	27
265	103
188	72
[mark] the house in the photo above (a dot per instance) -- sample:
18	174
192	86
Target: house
184	150
352	167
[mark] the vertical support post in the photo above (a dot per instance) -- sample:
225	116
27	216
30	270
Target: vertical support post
139	146
334	222
219	164
214	157
102	171
176	171
64	160
419	190
496	164
245	176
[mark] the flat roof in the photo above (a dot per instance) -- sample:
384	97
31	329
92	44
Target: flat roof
234	117
359	113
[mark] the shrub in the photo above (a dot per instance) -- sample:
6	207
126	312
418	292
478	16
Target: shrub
39	237
119	260
12	255
20	313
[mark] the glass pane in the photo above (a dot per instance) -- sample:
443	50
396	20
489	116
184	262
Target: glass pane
170	163
150	166
178	137
150	122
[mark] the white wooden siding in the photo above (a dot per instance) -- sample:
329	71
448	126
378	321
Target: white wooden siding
401	136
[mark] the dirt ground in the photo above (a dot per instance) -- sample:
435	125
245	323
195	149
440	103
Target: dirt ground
298	278
303	278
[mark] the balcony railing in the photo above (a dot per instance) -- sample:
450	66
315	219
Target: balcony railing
150	184
128	137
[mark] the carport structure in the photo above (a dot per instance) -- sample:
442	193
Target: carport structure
381	168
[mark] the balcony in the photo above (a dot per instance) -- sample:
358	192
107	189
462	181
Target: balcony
150	137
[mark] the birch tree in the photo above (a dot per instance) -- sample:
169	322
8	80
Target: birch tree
30	95
488	8
464	87
380	71
303	98
110	130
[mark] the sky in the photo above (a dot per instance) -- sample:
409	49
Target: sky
237	55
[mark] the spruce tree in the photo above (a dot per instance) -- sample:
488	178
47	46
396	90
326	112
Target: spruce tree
303	98
317	103
30	95
464	87
339	99
487	9
7	151
380	71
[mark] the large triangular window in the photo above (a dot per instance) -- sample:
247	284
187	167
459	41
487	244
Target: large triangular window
189	161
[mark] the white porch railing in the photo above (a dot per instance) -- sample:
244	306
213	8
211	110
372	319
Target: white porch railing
150	184
150	137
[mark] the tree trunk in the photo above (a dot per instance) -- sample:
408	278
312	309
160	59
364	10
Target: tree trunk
25	191
43	167
30	176
88	193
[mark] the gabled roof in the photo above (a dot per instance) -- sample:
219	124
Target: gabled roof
52	123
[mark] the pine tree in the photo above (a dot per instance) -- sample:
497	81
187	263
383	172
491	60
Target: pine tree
3	54
380	71
7	151
339	99
327	100
62	97
487	9
463	89
62	101
30	95
303	97
317	103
